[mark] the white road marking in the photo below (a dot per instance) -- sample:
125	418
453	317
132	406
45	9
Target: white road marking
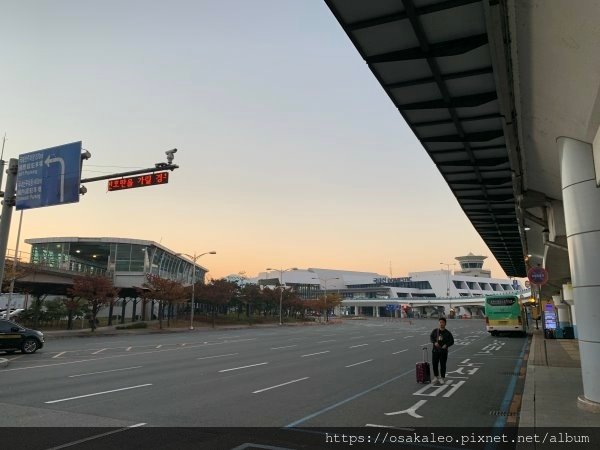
388	340
217	356
318	353
362	362
159	346
356	337
104	371
322	342
279	385
359	345
101	350
91	438
412	411
128	349
406	337
388	426
243	367
98	393
285	346
395	353
121	355
59	354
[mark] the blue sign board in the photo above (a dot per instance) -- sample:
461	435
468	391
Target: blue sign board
49	177
393	307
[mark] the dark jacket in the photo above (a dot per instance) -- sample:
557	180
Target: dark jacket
441	337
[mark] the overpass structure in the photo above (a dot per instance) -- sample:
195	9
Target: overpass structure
503	96
426	307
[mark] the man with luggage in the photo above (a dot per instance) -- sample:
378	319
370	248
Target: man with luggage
441	339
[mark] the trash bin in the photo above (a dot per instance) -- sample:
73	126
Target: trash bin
568	333
549	334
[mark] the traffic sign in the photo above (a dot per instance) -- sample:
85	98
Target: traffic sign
49	177
538	275
149	179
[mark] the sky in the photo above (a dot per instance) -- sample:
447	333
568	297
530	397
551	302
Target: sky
290	153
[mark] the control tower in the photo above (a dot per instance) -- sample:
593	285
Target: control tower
472	265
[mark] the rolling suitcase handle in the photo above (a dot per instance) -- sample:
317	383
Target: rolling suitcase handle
425	354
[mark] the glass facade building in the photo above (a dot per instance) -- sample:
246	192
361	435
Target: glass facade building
124	259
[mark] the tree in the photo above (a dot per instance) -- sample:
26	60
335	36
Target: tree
217	293
331	302
97	291
74	306
167	292
251	297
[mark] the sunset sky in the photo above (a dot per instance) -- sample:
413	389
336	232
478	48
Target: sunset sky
290	152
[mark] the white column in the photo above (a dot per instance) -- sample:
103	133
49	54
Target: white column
581	200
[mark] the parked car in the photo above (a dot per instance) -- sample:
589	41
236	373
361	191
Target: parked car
11	314
15	337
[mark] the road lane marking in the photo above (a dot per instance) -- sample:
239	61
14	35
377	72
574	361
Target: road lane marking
128	349
41	366
318	353
395	353
285	346
412	411
243	367
406	337
98	393
362	362
356	337
97	436
357	395
104	371
359	345
159	346
279	385
322	342
388	340
59	354
218	356
101	350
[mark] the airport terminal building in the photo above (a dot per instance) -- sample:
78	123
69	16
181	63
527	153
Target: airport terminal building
126	261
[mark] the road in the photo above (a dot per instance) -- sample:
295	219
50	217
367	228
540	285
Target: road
356	374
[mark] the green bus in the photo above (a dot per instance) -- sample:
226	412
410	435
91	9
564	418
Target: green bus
504	313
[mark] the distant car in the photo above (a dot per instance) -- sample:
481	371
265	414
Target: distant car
14	337
13	313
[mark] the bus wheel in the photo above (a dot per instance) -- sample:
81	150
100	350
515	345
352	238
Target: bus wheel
494	333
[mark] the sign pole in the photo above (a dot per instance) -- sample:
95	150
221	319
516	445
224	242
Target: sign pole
7	209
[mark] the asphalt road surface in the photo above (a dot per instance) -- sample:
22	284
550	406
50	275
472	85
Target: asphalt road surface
360	373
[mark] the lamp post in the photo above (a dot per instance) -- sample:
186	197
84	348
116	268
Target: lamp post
281	289
448	283
195	258
325	280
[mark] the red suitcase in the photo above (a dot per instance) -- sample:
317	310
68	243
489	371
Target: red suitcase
423	369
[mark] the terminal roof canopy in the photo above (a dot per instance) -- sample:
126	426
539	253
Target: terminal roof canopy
434	60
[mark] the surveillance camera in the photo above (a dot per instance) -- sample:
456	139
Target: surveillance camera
170	155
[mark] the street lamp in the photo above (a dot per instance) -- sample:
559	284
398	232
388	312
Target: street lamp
448	283
281	288
325	280
195	258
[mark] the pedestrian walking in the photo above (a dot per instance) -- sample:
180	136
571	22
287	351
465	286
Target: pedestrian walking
441	339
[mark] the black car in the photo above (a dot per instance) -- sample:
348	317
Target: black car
14	337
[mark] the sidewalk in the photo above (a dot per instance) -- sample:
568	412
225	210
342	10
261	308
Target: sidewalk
552	385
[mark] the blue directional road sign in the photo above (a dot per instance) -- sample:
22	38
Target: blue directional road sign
49	177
